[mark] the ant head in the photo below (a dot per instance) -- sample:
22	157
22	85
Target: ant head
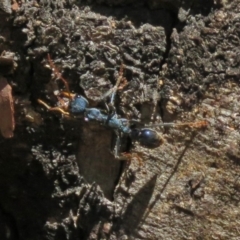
78	105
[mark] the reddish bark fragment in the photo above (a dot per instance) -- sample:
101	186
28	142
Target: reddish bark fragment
7	122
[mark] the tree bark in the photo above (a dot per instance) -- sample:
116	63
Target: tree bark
59	178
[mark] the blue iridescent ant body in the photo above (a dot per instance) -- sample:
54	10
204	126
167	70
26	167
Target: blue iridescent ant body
146	137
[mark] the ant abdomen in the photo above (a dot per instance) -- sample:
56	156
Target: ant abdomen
147	137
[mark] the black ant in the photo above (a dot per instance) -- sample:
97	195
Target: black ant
78	105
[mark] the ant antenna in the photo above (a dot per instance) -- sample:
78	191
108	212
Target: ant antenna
59	76
198	124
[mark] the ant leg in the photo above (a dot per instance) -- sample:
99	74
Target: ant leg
118	146
56	109
107	107
113	90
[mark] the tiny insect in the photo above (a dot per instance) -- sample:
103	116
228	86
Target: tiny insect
78	106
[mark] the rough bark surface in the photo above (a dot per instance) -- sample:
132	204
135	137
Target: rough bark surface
58	177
